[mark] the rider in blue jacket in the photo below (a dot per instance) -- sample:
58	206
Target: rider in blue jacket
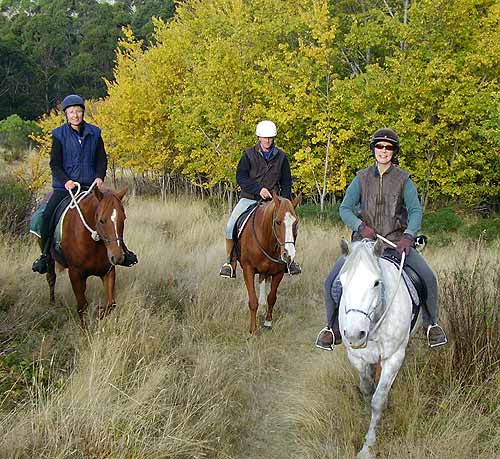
77	155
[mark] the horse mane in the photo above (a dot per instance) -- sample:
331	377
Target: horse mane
361	252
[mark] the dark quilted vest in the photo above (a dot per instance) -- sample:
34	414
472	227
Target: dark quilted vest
267	174
79	160
382	201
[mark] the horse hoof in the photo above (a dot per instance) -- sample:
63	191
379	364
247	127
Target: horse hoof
268	324
365	454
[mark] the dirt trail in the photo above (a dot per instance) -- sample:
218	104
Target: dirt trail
270	433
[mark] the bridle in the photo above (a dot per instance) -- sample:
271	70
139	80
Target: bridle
381	295
96	235
276	238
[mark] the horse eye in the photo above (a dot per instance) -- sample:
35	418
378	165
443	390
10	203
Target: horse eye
102	221
278	222
377	283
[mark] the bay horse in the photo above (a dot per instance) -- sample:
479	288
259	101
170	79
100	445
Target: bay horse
375	313
92	245
266	246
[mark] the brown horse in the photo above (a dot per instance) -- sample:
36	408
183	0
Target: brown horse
266	245
103	212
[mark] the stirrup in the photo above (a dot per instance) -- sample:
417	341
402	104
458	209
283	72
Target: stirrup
325	347
443	334
224	271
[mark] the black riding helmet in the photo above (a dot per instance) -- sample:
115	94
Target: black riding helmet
386	135
71	100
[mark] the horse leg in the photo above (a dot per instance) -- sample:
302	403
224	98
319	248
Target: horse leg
79	284
51	280
108	282
366	372
271	299
253	304
388	374
262	290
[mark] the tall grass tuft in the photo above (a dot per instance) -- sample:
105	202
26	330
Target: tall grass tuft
470	300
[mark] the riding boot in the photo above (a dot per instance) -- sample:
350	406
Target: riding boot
129	257
435	334
329	336
41	264
228	269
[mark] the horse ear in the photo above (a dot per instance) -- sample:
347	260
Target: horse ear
297	200
378	248
344	247
120	194
98	193
276	199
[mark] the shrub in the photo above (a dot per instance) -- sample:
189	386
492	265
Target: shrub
15	206
485	229
15	135
312	212
443	220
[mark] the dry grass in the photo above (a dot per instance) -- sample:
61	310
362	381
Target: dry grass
171	373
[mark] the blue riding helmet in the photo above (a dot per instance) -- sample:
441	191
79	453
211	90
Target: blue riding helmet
72	99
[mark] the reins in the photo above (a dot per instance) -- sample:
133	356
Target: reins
76	198
400	272
368	314
275	235
74	204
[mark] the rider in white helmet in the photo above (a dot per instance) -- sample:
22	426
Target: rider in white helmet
263	168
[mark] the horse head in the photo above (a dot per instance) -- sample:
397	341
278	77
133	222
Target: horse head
110	217
285	223
361	280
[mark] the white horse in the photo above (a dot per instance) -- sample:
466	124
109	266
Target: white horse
375	313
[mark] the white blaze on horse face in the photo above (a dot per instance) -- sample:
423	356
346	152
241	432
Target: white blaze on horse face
289	242
114	215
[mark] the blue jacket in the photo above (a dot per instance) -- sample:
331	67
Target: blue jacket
79	154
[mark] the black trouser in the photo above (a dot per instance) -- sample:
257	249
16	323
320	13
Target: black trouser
48	224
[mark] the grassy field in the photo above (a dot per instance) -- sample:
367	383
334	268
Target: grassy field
172	372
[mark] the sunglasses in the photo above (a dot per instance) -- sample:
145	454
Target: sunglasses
387	147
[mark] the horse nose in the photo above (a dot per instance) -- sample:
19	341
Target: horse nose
357	339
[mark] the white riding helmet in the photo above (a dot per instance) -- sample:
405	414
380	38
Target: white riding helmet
266	128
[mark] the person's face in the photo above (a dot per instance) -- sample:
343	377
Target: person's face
74	115
384	152
266	142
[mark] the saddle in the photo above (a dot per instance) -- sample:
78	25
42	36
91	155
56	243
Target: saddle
240	225
56	219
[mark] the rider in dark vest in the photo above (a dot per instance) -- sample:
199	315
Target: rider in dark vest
77	155
382	199
262	169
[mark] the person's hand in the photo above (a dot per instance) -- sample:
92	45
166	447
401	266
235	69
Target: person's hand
265	194
69	185
405	244
98	182
367	232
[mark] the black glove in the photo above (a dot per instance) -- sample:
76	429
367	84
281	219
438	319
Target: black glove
405	244
366	231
